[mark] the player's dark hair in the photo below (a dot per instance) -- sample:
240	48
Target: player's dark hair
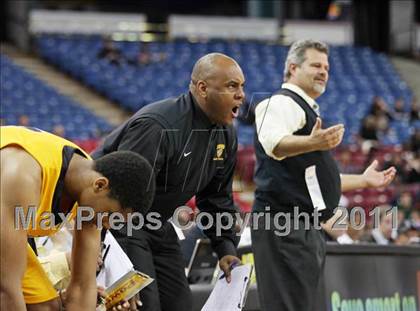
131	179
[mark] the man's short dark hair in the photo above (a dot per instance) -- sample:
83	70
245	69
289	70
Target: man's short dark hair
131	179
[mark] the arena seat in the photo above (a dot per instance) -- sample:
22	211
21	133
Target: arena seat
357	75
24	94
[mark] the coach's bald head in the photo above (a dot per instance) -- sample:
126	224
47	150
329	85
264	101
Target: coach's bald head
208	66
217	85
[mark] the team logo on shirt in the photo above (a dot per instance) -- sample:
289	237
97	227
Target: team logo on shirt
219	152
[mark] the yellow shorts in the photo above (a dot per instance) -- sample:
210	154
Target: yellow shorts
36	286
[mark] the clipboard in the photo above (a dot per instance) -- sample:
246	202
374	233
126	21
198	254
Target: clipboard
118	276
230	296
126	287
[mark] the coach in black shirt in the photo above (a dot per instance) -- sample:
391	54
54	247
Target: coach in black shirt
191	143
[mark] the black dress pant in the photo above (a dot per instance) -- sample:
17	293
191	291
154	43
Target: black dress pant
288	268
158	254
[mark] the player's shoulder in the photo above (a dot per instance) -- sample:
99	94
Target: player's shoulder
18	167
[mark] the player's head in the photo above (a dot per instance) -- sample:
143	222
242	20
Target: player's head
125	183
307	66
217	84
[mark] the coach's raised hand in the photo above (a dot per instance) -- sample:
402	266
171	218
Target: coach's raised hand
325	139
375	179
318	140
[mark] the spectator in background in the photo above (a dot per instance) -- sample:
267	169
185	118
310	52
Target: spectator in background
413	168
59	130
382	235
417	200
346	164
401	217
24	120
408	167
368	135
382	126
355	231
414	110
376	125
380	108
415	218
409	229
413	158
405	203
414	142
399	111
145	57
368	130
110	52
398	162
408	234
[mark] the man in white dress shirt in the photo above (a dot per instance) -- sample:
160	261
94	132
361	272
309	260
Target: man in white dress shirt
295	169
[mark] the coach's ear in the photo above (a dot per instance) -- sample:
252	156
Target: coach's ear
292	68
202	88
100	184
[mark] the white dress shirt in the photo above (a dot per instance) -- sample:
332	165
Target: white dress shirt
280	116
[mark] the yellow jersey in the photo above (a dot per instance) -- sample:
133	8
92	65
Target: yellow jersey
53	154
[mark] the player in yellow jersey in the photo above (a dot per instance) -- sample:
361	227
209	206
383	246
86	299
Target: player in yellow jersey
55	176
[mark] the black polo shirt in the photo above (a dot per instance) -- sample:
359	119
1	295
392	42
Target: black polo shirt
190	155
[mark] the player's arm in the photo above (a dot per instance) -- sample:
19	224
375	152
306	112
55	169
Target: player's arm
371	178
19	188
82	291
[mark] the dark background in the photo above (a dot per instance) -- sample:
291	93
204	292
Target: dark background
370	18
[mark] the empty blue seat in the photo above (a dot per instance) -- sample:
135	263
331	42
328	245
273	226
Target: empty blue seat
357	73
23	94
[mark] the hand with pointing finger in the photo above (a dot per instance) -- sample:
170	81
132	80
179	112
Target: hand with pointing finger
326	139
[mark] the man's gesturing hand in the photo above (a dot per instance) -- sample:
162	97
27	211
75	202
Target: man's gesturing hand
325	139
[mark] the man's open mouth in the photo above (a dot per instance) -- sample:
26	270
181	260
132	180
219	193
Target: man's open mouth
235	112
